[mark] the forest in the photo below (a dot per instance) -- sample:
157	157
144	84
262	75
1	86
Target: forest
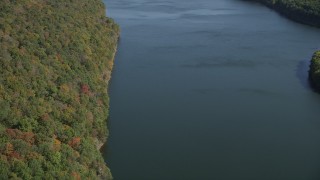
56	58
303	11
314	72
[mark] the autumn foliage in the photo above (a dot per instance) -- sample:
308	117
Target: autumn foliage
55	59
85	89
17	134
75	142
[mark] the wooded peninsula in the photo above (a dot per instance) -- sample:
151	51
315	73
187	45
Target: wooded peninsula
56	58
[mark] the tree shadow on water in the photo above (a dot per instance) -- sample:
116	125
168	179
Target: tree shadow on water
302	73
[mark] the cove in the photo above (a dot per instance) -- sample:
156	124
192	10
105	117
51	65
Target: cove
211	89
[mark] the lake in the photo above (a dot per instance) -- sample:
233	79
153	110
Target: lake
211	89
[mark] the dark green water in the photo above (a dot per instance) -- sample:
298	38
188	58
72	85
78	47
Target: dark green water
211	89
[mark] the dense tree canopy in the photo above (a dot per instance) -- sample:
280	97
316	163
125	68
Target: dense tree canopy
314	72
56	57
304	11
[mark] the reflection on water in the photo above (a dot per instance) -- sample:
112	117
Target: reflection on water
302	72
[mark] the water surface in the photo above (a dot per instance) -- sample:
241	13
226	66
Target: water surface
211	89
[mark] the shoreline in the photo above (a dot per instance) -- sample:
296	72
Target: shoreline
100	144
